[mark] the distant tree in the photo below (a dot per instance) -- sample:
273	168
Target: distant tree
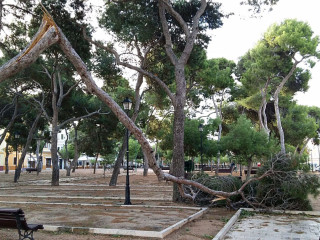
299	127
216	83
246	143
296	40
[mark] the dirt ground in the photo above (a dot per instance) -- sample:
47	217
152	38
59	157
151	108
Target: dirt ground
83	187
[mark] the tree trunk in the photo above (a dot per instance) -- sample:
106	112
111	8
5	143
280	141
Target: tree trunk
25	59
249	169
55	130
262	110
218	154
304	147
76	151
145	166
24	152
116	169
279	125
14	115
67	164
219	114
38	157
1	9
95	163
48	36
276	106
7	158
178	128
54	156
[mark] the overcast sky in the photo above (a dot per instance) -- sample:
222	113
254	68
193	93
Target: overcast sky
240	33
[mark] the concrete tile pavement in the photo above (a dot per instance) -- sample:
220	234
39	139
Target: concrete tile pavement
276	227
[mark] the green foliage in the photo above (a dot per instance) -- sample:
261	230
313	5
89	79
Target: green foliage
69	24
105	67
245	142
263	67
97	135
245	214
221	183
139	20
298	125
132	20
217	75
314	112
287	188
134	148
192	137
293	36
259	6
67	155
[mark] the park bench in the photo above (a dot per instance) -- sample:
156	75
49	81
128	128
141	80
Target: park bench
14	218
165	167
130	168
224	170
253	171
29	170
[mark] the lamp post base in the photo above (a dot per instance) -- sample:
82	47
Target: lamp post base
127	196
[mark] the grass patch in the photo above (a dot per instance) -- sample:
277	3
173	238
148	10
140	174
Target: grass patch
245	214
207	236
224	219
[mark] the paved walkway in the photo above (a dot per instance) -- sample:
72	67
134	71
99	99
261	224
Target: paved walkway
276	227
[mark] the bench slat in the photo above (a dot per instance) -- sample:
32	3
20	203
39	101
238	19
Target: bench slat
14	218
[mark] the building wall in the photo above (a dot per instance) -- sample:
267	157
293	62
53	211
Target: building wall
46	154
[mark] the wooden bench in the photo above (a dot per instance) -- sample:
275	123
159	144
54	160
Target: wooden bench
130	168
253	171
29	170
14	218
165	168
224	170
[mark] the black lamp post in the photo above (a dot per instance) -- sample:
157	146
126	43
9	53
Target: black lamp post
127	104
201	130
16	136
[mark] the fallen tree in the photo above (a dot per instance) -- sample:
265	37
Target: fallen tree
48	34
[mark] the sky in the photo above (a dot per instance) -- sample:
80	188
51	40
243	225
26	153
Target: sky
241	32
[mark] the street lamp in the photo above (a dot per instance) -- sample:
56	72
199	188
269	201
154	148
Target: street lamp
201	130
16	136
127	104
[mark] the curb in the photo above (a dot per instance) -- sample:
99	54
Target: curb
104	205
292	212
89	198
235	217
103	231
178	225
125	232
228	226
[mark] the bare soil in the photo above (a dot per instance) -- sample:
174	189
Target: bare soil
85	188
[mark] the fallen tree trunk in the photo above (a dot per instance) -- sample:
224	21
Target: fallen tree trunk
44	38
49	34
